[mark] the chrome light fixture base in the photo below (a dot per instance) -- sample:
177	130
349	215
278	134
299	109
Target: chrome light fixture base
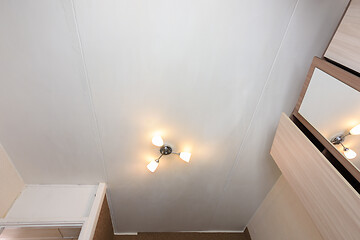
165	150
338	139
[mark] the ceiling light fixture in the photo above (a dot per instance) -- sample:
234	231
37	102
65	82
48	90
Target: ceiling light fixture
165	150
339	139
157	141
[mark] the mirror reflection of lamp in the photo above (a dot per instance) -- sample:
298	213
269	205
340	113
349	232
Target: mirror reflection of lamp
349	154
339	139
355	130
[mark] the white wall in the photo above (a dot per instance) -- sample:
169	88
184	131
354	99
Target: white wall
281	216
98	78
11	183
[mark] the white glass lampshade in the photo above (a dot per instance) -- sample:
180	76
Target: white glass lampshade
349	154
185	156
157	141
355	130
152	166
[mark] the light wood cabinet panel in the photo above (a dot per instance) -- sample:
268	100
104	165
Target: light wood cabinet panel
331	202
344	48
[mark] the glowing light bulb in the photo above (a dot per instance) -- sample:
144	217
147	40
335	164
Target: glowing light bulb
355	130
157	141
185	156
349	154
152	166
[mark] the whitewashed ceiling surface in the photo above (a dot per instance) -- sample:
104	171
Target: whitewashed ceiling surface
85	84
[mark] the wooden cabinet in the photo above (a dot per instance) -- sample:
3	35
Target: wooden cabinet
338	82
344	48
331	202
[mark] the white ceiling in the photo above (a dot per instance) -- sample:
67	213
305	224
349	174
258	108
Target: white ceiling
85	85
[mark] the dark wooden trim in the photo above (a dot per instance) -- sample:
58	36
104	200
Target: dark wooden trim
348	79
104	229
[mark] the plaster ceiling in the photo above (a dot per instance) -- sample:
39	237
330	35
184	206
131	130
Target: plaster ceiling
86	84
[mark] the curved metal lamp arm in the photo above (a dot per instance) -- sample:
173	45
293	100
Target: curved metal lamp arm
158	159
344	148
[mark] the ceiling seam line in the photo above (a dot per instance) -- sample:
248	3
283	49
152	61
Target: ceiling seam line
260	98
241	148
97	134
92	107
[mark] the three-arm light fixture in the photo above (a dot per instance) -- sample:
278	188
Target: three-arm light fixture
349	154
165	150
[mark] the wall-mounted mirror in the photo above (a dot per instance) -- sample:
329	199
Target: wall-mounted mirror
329	107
